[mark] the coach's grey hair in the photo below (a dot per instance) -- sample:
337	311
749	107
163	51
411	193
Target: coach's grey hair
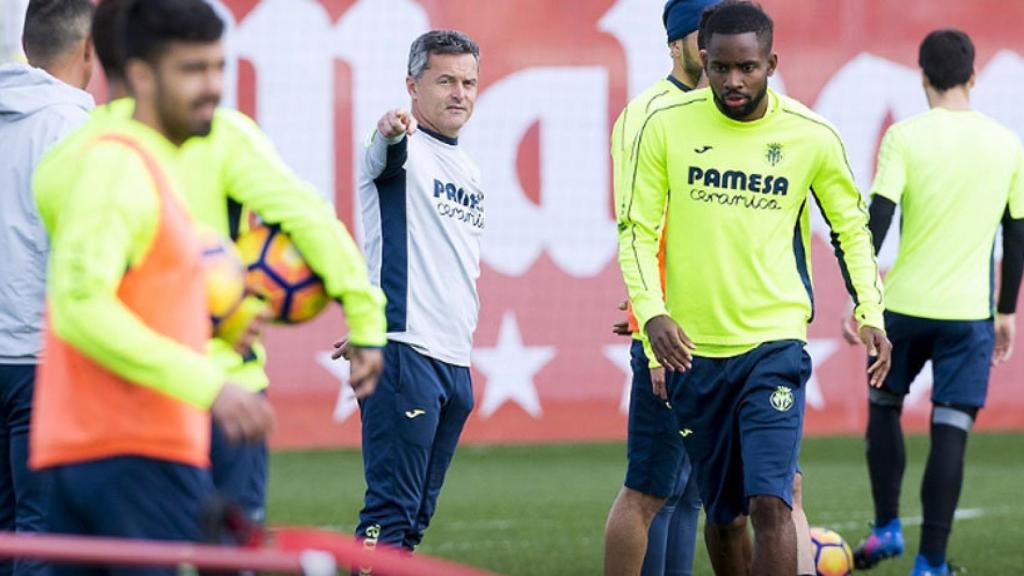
439	42
53	27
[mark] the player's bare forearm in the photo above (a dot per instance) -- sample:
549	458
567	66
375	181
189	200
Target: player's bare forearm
1006	332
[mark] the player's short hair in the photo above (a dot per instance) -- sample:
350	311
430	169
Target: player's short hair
947	58
53	27
439	42
150	26
737	17
702	42
108	36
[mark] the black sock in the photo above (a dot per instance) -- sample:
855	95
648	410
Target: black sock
940	489
887	458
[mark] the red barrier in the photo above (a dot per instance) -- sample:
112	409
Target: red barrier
292	550
554	75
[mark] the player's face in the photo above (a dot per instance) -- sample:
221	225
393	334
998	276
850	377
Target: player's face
686	52
444	96
738	67
189	79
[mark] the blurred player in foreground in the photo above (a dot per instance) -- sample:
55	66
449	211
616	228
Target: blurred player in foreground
742	159
125	391
233	168
956	174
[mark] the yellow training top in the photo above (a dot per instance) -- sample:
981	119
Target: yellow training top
737	244
953	173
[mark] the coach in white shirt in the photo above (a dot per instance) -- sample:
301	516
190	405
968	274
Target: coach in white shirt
423	214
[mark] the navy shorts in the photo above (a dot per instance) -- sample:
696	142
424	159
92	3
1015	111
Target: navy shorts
411	425
741	419
653	444
128	497
960	351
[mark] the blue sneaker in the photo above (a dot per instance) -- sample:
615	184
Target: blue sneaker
883	542
923	568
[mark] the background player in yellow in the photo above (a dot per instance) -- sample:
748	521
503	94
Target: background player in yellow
740	160
956	174
236	167
652	525
125	388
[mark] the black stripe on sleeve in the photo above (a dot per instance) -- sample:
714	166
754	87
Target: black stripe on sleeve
800	256
1013	263
879	219
397	154
840	254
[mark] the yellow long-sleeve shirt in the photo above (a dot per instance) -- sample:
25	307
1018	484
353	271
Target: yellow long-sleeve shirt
236	161
101	212
737	252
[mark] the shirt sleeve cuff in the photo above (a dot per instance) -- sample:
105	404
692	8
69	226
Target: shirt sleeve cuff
652	362
869	316
367	322
206	380
646	308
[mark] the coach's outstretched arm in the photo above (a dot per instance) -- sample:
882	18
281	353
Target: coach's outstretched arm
257	178
847	216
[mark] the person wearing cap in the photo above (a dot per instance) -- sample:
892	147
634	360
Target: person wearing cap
652	525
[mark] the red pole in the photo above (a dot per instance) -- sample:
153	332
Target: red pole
284	554
349	553
124	552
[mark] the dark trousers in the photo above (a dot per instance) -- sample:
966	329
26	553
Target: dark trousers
411	425
24	494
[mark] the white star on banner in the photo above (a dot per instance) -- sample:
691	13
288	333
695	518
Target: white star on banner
509	368
819	350
618	354
346	404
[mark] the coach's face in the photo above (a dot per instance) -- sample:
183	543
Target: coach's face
443	97
738	67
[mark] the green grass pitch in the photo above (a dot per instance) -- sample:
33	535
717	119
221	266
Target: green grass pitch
541	509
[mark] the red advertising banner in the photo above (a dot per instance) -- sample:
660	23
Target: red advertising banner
554	75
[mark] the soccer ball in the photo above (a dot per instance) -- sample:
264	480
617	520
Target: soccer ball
277	273
223	273
832	556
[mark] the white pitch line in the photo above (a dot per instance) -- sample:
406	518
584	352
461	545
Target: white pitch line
964	514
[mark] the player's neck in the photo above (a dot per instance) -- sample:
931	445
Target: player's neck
68	72
680	74
957	98
146	113
116	90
